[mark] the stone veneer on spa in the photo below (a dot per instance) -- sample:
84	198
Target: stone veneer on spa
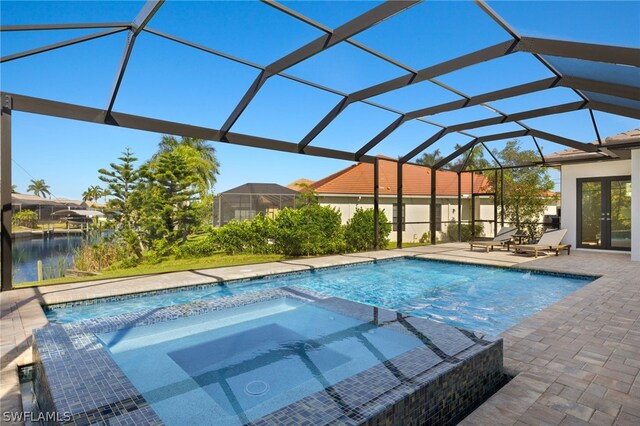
438	383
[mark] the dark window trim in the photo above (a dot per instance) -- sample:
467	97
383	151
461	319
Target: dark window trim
606	181
395	217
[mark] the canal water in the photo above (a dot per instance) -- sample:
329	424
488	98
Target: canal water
56	255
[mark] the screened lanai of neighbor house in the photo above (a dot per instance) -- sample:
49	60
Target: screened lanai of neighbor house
430	92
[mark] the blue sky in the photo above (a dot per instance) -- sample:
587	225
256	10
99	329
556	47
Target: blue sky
168	81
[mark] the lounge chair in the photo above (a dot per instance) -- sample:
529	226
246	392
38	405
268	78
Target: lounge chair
551	240
503	237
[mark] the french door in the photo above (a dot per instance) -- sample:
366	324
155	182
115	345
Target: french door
604	213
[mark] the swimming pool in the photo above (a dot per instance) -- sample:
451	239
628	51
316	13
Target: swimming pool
473	297
277	356
241	364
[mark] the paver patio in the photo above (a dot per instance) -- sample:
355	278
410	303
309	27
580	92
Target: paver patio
576	362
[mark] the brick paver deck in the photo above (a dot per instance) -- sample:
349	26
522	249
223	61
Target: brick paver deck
579	359
576	362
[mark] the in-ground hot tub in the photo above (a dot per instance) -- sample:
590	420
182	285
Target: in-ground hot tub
283	355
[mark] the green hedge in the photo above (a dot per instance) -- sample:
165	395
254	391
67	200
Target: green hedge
306	231
310	230
359	231
467	235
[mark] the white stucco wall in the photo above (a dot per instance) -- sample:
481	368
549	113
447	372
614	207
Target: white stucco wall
416	210
484	211
568	197
635	205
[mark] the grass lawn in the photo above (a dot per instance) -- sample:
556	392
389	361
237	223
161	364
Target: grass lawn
393	245
169	265
40	227
20	228
176	265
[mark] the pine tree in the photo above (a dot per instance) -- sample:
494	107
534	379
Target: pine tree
167	198
208	164
121	179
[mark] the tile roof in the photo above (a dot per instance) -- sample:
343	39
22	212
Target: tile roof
358	179
29	199
261	188
614	141
295	185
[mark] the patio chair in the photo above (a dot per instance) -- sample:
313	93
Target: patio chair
551	240
501	239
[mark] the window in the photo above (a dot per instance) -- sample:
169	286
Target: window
439	217
244	214
395	217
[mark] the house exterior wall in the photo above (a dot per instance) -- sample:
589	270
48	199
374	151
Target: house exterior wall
568	199
416	210
484	211
550	210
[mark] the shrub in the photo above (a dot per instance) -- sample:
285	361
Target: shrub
129	262
261	234
27	218
160	250
231	237
96	257
287	224
130	242
359	232
531	228
198	247
310	230
467	235
425	238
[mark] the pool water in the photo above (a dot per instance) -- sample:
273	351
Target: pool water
240	364
482	298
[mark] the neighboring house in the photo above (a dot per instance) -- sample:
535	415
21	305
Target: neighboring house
300	183
245	201
601	199
45	207
352	187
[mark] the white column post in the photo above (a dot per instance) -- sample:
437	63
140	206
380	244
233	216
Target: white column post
635	205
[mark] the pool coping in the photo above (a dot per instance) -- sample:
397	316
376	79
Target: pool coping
107	299
186	287
448	354
524	400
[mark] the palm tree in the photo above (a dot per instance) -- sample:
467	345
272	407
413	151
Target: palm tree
39	188
471	160
104	194
92	193
430	158
87	195
207	154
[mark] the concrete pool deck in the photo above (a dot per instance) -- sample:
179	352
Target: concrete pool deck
577	361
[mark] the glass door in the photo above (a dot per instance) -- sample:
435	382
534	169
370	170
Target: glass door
619	218
590	214
604	213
